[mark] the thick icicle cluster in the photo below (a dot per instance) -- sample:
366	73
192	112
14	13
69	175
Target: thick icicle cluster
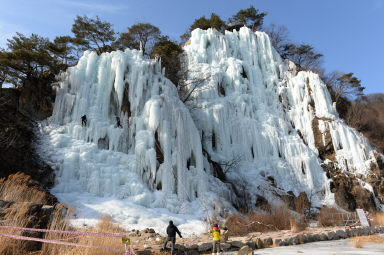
257	108
149	152
252	116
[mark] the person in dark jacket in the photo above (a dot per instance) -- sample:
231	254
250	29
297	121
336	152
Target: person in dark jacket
171	232
84	120
118	124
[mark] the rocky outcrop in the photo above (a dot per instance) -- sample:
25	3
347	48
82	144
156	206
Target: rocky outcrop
17	153
349	194
37	97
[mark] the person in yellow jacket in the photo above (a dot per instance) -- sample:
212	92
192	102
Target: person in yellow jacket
215	232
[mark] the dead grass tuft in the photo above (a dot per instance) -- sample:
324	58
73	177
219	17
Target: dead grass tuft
357	242
329	216
297	225
20	187
277	219
14	216
25	192
378	219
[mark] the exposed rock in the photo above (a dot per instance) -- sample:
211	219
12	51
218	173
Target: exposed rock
331	235
16	141
325	147
277	242
349	195
191	247
193	252
37	97
245	250
323	237
149	230
237	244
341	234
262	203
179	247
268	242
225	246
205	247
259	243
251	245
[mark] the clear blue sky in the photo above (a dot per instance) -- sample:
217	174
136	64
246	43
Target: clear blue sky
350	33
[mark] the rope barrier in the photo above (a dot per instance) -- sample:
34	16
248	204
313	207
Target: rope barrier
64	232
128	251
58	242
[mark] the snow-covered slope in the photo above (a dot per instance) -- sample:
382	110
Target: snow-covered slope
250	123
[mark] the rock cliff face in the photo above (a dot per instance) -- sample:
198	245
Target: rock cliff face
17	141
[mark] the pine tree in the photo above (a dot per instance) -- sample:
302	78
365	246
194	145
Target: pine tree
249	17
97	34
143	34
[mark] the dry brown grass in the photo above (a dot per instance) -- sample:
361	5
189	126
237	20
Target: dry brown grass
378	219
357	242
328	216
59	221
104	225
14	216
297	225
19	188
277	219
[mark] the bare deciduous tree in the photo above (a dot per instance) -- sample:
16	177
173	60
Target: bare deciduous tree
355	113
278	34
230	164
190	82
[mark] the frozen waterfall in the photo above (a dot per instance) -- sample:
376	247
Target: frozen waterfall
254	113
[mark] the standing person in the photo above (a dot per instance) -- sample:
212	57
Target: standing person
225	235
171	232
118	124
215	232
84	120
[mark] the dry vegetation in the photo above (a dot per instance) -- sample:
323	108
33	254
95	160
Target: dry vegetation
329	217
358	242
298	225
367	116
104	225
21	188
14	217
378	219
278	219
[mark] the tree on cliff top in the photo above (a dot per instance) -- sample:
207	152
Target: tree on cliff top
344	85
67	50
96	33
169	52
143	34
26	59
278	35
250	17
303	55
203	23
